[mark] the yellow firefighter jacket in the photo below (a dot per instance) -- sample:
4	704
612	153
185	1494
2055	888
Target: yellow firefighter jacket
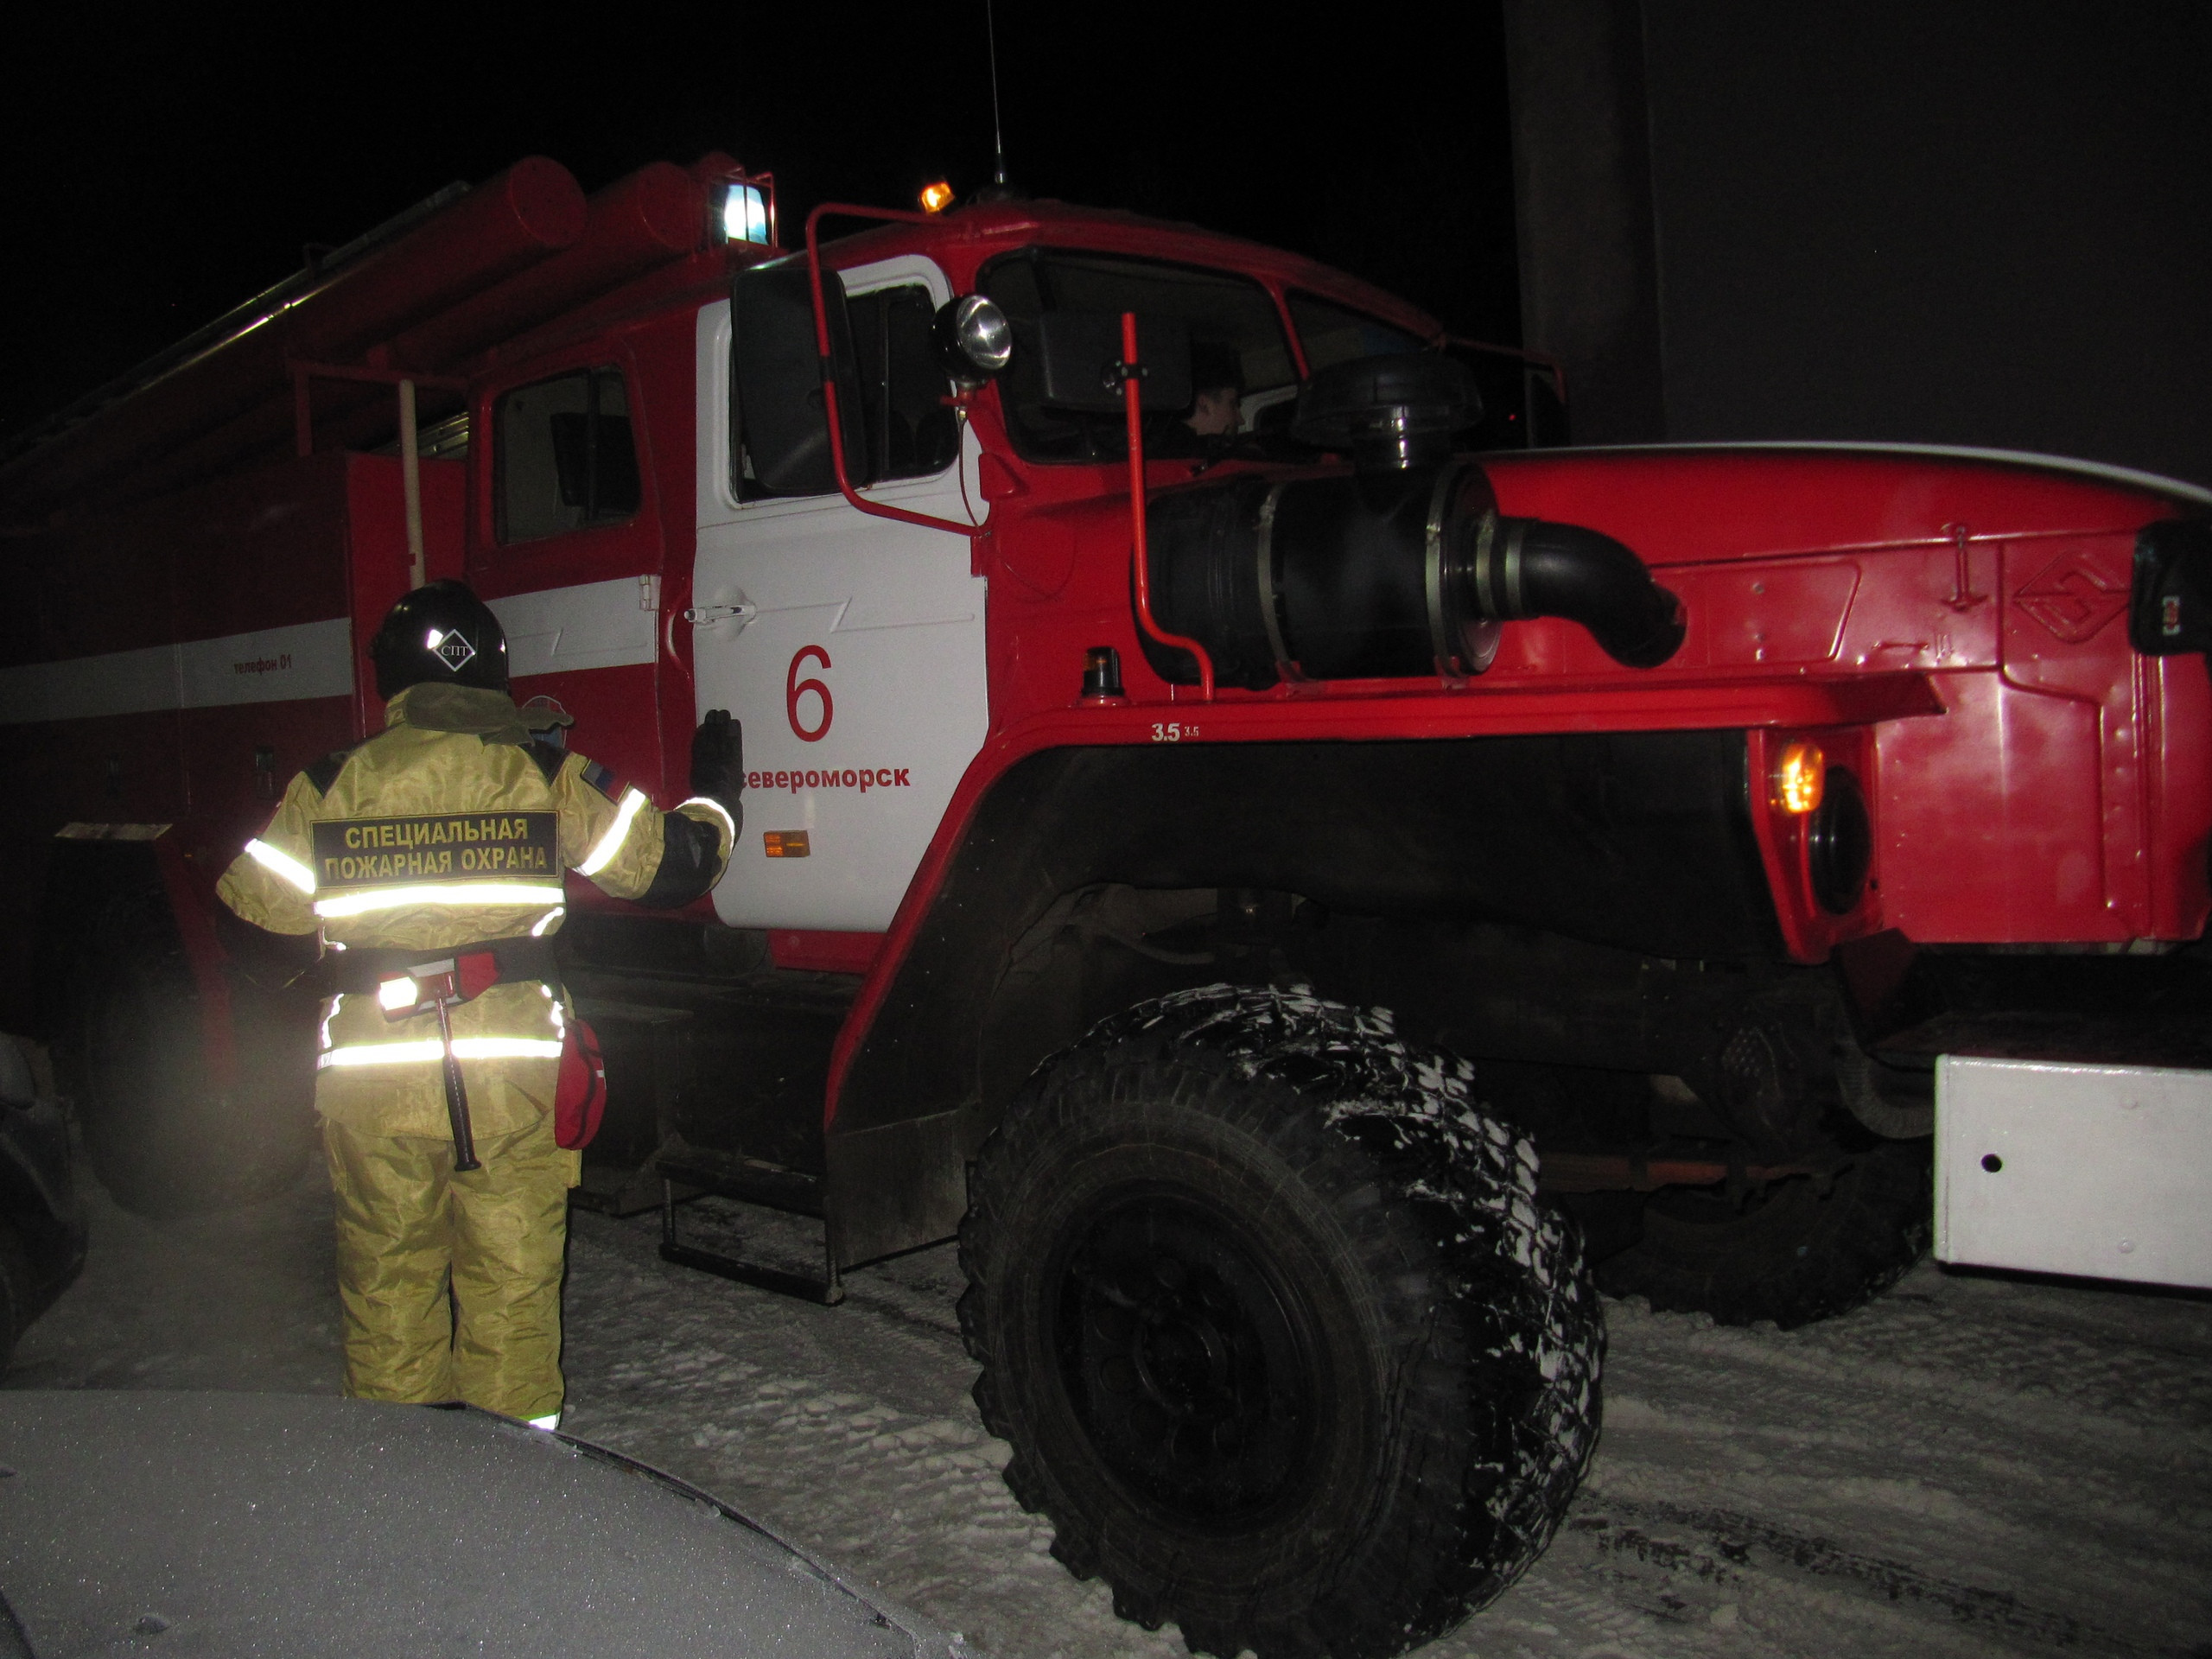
454	827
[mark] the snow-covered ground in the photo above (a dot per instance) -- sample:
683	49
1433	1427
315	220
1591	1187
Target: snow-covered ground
1972	1466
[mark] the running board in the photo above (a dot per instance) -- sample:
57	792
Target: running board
825	1292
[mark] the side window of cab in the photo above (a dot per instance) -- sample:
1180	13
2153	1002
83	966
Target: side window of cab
563	456
910	432
904	429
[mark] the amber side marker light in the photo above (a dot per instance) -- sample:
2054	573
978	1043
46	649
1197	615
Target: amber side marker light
1800	777
936	197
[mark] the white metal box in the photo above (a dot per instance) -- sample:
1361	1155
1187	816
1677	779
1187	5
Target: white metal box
2100	1171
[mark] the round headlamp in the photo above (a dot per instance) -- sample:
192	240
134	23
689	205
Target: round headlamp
973	339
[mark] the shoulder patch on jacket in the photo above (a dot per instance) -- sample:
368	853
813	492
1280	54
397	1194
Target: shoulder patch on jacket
549	757
602	781
324	773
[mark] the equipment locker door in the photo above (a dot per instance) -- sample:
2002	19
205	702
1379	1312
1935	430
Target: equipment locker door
567	550
850	646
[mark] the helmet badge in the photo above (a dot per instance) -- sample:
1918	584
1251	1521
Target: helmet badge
451	649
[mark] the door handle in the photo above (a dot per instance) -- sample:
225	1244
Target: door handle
707	616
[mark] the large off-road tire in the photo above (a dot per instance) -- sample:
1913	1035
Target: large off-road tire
1792	1254
1284	1342
162	1138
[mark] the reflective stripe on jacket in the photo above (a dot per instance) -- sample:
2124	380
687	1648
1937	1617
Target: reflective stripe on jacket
426	837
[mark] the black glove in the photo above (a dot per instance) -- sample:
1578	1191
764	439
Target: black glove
718	759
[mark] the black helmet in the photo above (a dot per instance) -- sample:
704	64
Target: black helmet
442	634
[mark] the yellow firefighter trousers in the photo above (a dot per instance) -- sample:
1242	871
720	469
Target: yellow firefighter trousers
450	1283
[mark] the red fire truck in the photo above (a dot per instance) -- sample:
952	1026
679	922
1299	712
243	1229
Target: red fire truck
1302	883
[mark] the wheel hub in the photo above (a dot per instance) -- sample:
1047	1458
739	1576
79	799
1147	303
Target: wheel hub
1185	1361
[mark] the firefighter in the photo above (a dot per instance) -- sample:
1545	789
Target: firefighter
444	840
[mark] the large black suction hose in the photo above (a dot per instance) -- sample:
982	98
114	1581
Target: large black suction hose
1519	568
1382	574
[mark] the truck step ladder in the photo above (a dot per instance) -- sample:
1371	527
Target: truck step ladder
751	1182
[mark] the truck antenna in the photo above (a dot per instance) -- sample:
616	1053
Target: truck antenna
998	131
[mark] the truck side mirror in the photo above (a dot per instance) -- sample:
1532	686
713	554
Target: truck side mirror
776	379
1079	354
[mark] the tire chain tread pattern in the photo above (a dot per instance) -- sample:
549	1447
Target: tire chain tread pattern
1865	1235
1406	1112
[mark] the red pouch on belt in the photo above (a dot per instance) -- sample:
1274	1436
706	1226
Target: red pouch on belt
580	1097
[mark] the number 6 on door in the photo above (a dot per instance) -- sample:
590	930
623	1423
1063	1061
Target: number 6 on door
795	688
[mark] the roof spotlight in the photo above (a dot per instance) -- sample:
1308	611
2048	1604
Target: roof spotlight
973	340
936	196
743	214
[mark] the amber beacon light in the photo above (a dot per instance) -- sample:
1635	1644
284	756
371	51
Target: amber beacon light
936	197
1800	778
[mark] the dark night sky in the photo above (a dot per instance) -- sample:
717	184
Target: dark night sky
164	164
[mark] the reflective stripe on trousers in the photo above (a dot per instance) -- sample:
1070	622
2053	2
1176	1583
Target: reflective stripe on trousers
417	1051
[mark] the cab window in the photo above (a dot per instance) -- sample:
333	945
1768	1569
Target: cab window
1332	334
1520	410
1231	320
564	456
910	433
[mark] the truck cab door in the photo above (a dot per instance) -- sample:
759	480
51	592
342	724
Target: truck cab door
851	646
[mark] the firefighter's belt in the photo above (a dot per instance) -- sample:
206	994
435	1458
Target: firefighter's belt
359	971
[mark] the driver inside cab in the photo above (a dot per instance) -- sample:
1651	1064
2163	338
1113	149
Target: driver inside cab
1218	389
1215	415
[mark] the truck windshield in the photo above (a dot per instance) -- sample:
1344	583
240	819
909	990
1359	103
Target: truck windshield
1520	410
1235	337
1331	335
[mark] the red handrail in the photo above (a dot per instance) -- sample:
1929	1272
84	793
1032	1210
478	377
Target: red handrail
1130	377
881	510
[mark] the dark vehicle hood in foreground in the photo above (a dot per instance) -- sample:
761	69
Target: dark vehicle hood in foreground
268	1524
